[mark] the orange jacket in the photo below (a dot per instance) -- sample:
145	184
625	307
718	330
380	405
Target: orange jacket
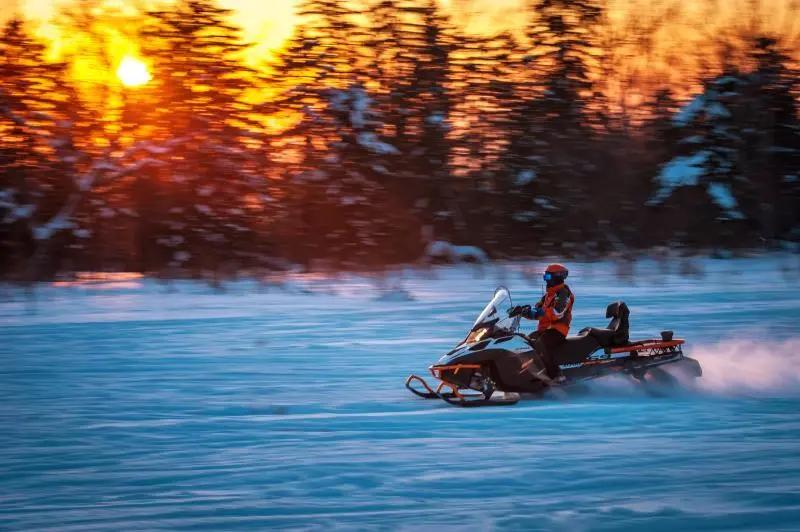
557	306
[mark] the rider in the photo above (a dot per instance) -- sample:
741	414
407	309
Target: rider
554	313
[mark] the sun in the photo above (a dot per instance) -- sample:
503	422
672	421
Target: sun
132	72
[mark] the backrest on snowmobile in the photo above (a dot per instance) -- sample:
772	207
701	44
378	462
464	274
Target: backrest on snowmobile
619	313
616	334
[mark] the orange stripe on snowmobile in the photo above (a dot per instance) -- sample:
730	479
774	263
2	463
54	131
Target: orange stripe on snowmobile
454	387
655	344
454	367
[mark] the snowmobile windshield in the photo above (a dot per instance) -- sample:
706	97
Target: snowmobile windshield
494	319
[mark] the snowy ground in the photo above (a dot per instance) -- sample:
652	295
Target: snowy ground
136	405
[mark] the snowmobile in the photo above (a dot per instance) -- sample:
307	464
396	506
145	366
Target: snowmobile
496	357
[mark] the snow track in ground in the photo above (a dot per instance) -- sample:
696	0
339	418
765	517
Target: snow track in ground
136	405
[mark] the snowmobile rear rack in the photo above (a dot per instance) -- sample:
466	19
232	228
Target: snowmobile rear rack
649	347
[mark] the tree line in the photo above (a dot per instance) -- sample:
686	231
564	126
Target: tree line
376	131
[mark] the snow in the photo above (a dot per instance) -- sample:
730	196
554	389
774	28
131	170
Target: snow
687	171
688	113
783	150
545	203
86	182
722	195
525	216
525	177
315	175
684	170
435	119
355	101
171	241
57	223
351	200
7	197
155	149
716	110
727	80
441	251
359	106
104	165
370	141
18	212
394	295
338	100
132	404
702	103
694	139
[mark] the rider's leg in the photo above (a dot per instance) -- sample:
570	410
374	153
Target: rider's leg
547	344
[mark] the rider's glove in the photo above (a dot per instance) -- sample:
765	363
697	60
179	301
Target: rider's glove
538	312
520	310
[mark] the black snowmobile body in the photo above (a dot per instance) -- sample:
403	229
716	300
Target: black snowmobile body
495	357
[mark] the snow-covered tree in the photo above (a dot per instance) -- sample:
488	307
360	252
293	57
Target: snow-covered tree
771	155
427	107
37	163
738	144
549	160
373	224
709	146
203	206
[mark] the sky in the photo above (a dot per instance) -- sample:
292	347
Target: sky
266	22
269	22
680	28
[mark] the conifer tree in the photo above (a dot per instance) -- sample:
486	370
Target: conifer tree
550	154
33	179
771	149
428	46
211	194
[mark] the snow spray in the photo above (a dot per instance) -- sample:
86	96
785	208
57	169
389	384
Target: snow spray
749	366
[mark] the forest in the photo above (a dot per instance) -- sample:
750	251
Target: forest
381	128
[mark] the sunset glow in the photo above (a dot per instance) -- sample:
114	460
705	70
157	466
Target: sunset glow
676	50
132	72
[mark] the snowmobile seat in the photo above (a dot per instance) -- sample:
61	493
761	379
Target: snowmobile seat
575	349
617	332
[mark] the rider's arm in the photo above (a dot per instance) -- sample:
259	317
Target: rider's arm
559	306
538	311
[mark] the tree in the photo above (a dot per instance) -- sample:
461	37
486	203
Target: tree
771	149
738	144
700	182
204	207
549	161
482	87
427	105
36	163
